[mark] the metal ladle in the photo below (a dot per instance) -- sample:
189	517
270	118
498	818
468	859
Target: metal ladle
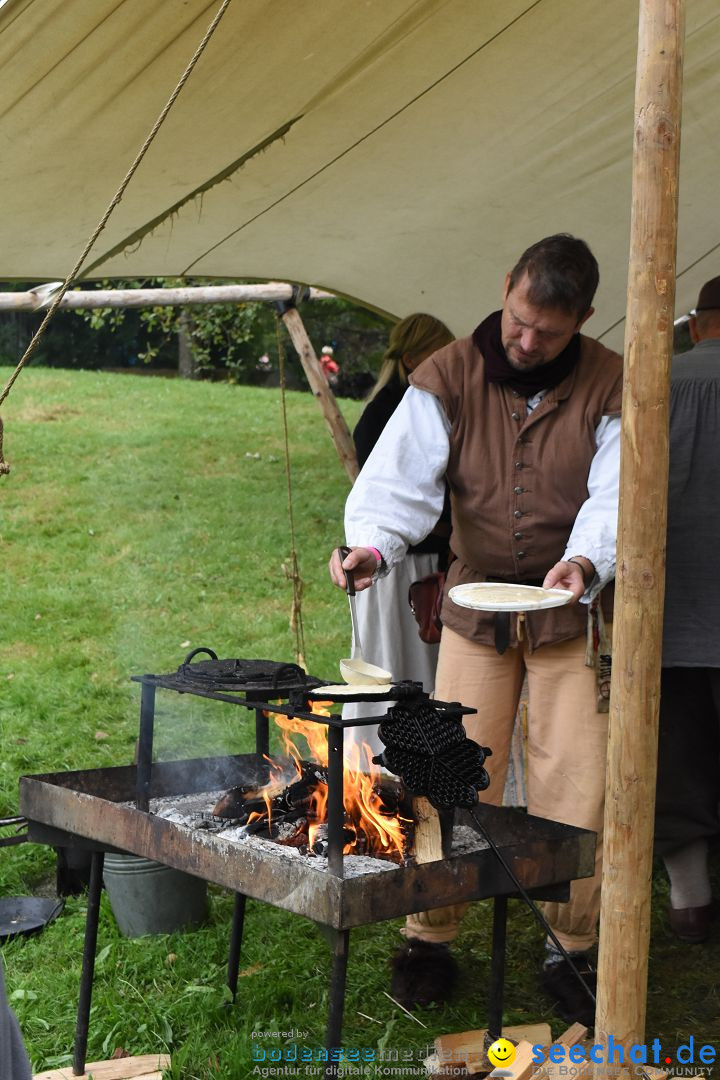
355	670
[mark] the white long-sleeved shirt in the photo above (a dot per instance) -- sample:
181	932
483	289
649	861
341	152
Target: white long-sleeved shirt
398	496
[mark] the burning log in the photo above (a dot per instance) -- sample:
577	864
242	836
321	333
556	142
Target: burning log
377	813
246	799
234	803
321	843
294	814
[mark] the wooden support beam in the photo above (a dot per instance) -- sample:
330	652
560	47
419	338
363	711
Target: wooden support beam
41	297
640	584
339	431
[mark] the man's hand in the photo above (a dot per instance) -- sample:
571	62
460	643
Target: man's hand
361	560
570	575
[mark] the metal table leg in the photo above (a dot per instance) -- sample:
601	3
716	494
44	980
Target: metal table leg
497	969
82	1025
236	935
335	805
340	949
145	746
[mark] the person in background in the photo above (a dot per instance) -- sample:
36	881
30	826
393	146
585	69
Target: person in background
521	419
14	1063
388	630
329	364
687	812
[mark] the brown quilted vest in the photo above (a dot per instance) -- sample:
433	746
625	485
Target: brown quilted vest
516	480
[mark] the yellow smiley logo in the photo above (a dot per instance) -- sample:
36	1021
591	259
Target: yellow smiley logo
502	1052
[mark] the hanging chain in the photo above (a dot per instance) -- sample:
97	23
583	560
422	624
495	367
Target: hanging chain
292	571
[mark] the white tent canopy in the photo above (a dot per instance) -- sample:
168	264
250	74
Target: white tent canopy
403	152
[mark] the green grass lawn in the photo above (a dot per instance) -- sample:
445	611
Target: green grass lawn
145	517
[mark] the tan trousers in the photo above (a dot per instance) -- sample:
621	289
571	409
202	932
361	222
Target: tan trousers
567	747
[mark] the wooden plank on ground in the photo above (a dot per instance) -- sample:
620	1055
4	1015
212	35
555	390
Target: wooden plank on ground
574	1034
470	1045
145	1067
522	1068
553	1070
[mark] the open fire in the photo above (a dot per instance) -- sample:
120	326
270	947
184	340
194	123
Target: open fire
291	808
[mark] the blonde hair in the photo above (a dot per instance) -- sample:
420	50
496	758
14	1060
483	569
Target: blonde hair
413	335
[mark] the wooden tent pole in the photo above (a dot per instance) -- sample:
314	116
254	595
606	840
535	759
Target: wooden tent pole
637	640
339	431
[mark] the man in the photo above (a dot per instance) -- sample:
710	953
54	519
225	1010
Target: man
521	418
688	794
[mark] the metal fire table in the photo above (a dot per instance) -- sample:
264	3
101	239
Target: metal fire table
94	809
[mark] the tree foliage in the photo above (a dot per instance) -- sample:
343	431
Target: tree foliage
237	342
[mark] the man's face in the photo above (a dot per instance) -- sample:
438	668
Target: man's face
531	335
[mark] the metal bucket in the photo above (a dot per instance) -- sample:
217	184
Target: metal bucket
149	898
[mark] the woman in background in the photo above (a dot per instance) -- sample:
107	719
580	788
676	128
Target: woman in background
388	630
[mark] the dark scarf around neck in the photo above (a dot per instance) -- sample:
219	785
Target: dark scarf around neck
498	369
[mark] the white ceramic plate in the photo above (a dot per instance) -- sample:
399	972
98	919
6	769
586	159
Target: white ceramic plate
499	596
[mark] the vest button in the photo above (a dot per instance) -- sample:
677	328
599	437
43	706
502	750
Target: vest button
518	535
521	555
518	513
516	416
518	490
518	464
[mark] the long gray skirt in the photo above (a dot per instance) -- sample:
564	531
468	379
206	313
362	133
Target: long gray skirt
390	639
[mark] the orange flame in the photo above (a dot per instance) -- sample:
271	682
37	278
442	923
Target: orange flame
315	735
363	806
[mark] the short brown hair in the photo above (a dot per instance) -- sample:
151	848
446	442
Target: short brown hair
562	273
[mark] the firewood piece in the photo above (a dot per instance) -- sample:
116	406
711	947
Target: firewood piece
469	1047
145	1067
574	1034
581	1070
235	802
523	1067
428	838
554	1070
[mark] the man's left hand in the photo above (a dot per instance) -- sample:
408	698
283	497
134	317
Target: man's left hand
570	575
